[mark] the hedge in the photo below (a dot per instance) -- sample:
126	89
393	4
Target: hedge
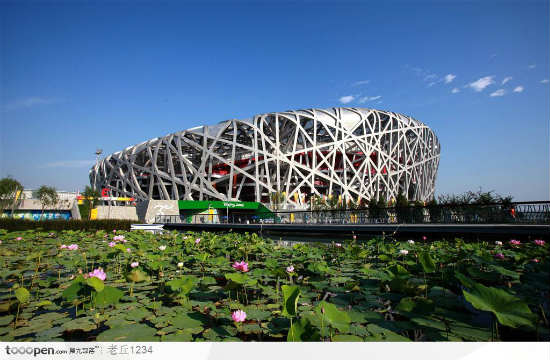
58	225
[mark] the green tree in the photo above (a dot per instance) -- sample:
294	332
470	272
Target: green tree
277	198
91	196
402	209
11	194
47	196
332	202
434	210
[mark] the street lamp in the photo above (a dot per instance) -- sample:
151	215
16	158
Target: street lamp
98	152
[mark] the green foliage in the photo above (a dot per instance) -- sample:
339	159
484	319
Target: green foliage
333	317
182	285
508	309
10	194
290	300
90	198
47	196
428	264
335	294
10	224
303	330
96	283
22	295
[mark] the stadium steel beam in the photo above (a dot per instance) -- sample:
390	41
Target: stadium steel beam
355	153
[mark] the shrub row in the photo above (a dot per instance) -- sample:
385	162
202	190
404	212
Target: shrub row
58	225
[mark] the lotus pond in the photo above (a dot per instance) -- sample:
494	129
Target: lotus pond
135	286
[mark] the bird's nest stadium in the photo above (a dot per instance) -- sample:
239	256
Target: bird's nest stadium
354	153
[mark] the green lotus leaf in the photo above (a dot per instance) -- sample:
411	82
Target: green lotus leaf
109	296
385	334
84	324
290	300
137	314
330	315
428	264
179	336
182	285
416	305
302	330
133	332
508	309
43	303
183	321
96	283
5	320
256	314
22	295
346	338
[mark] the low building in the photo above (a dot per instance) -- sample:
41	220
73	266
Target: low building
29	207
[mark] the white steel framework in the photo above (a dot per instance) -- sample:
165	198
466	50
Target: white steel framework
355	153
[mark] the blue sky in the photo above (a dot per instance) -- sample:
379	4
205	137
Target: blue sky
76	76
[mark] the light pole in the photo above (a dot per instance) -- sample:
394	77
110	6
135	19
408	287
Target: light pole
98	152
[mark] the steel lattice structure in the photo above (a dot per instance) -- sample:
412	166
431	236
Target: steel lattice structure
355	153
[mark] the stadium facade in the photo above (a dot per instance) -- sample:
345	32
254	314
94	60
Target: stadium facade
352	153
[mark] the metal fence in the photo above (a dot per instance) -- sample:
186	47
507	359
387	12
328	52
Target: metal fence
521	213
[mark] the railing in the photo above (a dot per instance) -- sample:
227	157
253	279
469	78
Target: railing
515	213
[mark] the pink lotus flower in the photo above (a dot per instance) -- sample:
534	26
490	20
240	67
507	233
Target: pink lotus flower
241	266
112	243
98	273
134	264
72	247
535	260
540	242
63	246
19	238
238	316
114	231
118	238
197	241
128	250
354	237
424	238
499	256
499	243
290	269
338	245
515	242
105	235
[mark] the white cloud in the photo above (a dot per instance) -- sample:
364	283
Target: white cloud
532	66
361	82
455	90
369	98
544	81
430	77
29	102
518	89
482	83
499	92
347	99
506	79
70	164
449	78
